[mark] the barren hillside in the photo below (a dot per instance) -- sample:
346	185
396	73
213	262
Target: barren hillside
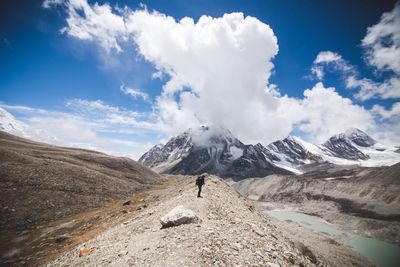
41	183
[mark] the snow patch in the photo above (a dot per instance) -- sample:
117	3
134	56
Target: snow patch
236	152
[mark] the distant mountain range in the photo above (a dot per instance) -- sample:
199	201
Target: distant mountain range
217	151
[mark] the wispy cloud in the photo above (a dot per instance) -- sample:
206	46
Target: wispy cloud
23	109
49	3
89	124
135	93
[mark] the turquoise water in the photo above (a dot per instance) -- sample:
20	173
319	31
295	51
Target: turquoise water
382	253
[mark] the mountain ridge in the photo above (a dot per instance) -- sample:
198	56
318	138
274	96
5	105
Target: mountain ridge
353	147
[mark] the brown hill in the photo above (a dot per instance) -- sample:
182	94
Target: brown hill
41	183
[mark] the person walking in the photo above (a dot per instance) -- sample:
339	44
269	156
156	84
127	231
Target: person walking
200	183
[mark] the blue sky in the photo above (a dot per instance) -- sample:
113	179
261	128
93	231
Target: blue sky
63	74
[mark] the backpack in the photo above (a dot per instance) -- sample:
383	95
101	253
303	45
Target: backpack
199	180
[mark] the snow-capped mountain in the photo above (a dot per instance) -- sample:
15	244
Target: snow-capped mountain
356	147
10	124
345	145
293	152
353	147
211	150
218	151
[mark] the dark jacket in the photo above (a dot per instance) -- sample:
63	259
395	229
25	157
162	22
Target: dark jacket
200	180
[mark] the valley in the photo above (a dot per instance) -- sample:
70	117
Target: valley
355	204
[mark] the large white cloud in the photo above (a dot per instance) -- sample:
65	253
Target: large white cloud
217	72
218	69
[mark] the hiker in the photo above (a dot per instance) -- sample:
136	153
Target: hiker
200	183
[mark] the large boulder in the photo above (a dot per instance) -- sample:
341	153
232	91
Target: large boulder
177	216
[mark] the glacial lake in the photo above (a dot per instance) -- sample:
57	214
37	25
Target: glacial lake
381	253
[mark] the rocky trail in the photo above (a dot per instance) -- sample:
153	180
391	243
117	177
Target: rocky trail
230	233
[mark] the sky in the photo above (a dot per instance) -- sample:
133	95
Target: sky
121	76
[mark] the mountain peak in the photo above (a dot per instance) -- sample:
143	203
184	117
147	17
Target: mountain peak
208	136
359	137
351	131
213	150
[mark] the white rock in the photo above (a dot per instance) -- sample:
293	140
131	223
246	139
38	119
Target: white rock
177	216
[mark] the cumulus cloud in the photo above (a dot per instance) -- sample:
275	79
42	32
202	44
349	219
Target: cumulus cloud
218	69
332	60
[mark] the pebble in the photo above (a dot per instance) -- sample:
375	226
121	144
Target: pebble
122	253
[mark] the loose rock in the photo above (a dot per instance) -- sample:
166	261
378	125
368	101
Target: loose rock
177	216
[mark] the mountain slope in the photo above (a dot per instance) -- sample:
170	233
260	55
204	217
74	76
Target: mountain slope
41	183
211	150
345	145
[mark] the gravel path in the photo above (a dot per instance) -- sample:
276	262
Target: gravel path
231	233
